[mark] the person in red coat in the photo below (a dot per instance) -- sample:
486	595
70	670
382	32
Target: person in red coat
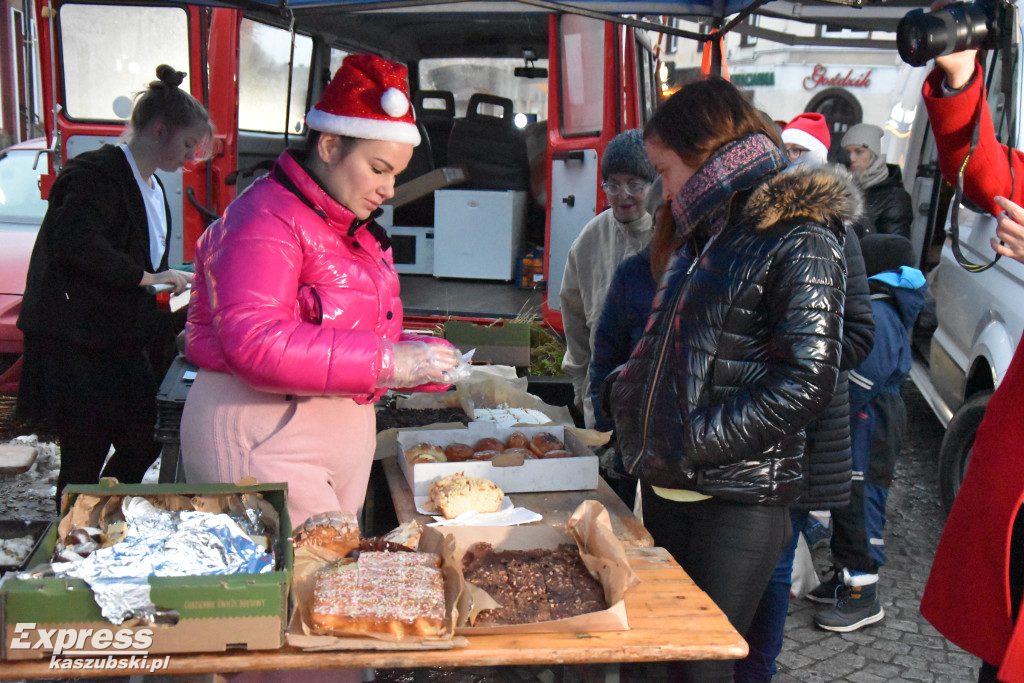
973	595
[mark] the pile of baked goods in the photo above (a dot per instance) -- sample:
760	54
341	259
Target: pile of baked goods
540	445
397	593
380	585
456	494
532	585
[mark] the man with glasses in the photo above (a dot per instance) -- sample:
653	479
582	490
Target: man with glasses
622	230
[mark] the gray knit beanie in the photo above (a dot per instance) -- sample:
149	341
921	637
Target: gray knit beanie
865	135
626	153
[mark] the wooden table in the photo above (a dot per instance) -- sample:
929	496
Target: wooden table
670	619
555	506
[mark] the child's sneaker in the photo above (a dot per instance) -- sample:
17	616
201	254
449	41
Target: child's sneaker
858	607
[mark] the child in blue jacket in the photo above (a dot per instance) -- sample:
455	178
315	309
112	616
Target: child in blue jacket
878	424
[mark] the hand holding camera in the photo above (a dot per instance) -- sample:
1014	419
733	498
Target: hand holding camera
955	28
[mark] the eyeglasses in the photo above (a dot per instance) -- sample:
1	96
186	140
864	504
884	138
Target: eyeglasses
633	189
795	153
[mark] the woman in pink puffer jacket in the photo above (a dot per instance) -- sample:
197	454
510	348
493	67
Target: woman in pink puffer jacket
295	320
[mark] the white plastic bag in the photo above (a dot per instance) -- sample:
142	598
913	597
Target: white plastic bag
805	579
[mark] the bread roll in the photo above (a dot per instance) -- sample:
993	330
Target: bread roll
557	454
489	444
457	493
484	455
525	452
458	452
335	531
517	440
542	442
424	452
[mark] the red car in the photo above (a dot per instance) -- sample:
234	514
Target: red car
21	213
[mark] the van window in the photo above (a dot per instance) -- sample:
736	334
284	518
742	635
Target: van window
493	76
113	51
337	57
582	74
263	78
646	81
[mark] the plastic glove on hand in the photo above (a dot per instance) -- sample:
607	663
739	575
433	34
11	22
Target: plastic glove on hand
412	363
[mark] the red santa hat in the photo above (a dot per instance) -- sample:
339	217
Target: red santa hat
367	98
808	130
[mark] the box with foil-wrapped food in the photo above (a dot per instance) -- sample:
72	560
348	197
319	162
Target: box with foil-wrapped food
152	569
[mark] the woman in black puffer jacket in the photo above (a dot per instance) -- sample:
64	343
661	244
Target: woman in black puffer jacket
741	350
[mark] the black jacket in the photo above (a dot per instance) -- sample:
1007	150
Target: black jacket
88	259
887	206
742	348
827	465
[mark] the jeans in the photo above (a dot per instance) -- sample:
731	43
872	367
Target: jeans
729	550
764	637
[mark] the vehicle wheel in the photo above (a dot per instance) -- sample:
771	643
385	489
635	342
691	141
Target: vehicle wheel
955	452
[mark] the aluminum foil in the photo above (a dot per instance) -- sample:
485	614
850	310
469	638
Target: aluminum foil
163	543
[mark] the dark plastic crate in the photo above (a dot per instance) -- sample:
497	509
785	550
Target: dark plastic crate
170	399
16	528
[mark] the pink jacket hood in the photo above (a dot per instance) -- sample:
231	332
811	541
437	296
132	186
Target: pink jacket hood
292	294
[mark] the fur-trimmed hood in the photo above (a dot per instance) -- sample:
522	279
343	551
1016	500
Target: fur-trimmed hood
826	195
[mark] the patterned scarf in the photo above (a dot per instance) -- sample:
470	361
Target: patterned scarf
702	204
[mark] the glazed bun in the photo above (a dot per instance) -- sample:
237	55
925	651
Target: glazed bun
525	452
485	454
424	452
557	454
542	442
458	452
517	440
489	444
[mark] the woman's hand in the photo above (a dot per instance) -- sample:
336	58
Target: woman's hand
959	66
1010	230
414	362
178	279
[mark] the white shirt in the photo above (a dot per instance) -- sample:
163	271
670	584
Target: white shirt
156	213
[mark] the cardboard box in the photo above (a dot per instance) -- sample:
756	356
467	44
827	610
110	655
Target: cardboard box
209	613
589	529
507	344
423	185
579	473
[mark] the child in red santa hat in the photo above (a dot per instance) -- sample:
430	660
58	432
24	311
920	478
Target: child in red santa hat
807	139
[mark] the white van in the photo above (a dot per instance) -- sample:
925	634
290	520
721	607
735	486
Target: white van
979	315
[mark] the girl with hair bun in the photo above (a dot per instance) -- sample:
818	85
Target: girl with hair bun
89	324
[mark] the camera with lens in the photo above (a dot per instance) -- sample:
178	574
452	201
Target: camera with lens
985	25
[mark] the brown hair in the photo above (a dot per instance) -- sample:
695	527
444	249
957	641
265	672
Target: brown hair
698	119
164	101
704	115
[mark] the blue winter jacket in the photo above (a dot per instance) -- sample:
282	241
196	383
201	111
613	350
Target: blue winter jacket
877	412
621	325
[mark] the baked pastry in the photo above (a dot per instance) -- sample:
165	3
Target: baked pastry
457	493
542	442
558	454
525	452
484	455
401	594
424	452
403	538
517	440
458	452
489	444
335	531
532	585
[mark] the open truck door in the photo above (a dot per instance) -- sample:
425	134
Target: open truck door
95	58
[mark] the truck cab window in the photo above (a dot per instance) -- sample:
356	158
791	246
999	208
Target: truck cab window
112	51
582	74
263	78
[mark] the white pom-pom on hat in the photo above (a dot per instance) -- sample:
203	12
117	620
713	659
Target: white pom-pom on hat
394	102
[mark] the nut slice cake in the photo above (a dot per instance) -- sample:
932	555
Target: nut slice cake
401	594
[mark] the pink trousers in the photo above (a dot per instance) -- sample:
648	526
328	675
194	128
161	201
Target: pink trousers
321	446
